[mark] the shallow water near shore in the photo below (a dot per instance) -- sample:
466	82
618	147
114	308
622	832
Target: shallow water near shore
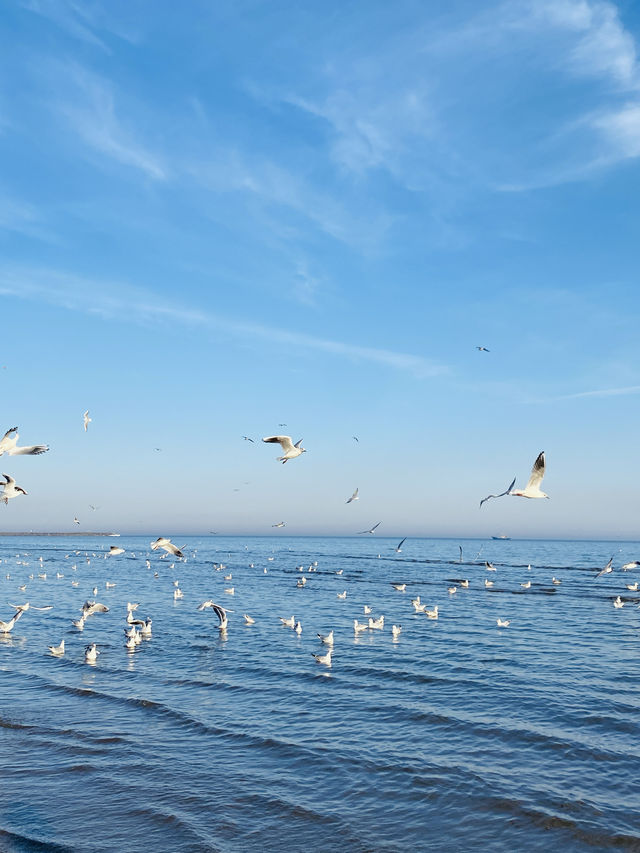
459	735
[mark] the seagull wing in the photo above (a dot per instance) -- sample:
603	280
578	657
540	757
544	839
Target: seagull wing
537	473
10	480
283	440
507	492
353	496
34	450
399	545
7	439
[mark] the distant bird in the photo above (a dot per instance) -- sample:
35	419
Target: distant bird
376	624
367	609
9	445
371	530
606	571
324	659
483	349
279	524
58	651
634	565
248	619
355	438
359	627
555	581
298	628
452	590
488	583
395	631
354	497
503	623
342	595
86	420
220	612
114	551
399	587
489	567
618	602
288	623
398	548
290	450
432	614
632	587
166	545
76	520
464	584
246	438
10	490
526	585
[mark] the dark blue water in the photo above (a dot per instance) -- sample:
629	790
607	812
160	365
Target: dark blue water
459	736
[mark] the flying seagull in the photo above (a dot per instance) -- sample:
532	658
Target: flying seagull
634	565
9	445
398	548
354	497
532	489
220	612
371	530
10	489
246	438
483	349
290	450
166	545
280	524
607	569
86	420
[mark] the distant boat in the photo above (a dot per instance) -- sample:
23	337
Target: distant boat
501	537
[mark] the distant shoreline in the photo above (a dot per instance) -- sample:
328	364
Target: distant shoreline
70	533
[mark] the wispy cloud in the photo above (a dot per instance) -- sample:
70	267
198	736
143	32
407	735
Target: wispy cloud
86	102
601	392
114	301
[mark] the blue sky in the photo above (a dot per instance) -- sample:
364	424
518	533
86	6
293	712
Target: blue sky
216	218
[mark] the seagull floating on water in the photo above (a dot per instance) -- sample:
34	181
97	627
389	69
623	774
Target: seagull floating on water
9	445
290	450
327	638
91	653
57	651
503	623
324	659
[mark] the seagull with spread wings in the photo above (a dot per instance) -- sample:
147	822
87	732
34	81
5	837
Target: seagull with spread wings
86	420
290	450
166	545
9	445
354	497
220	612
10	490
532	489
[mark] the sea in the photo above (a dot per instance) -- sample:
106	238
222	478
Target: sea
456	735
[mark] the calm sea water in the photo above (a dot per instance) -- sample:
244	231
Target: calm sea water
459	736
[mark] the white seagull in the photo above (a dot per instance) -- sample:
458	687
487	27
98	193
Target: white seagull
7	627
290	450
327	638
10	490
166	545
91	653
220	612
57	651
354	497
398	548
114	551
607	569
324	659
532	489
280	524
86	420
634	565
483	349
9	445
503	623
